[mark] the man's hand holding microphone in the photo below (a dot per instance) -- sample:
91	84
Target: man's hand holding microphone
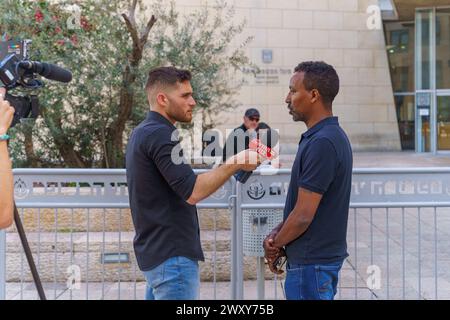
264	153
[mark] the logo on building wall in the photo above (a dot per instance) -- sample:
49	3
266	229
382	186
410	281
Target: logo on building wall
267	55
256	190
21	190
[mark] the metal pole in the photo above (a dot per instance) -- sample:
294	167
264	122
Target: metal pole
28	254
435	257
387	253
233	244
239	245
419	254
261	277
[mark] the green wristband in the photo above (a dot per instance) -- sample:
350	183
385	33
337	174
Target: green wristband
4	137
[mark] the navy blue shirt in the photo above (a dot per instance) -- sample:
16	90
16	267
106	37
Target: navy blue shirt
166	225
323	164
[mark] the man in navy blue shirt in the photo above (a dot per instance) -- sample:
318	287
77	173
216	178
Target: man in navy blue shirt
163	189
313	232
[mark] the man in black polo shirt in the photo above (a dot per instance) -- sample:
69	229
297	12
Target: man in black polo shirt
163	189
314	229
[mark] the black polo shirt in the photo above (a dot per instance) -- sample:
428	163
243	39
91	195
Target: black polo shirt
323	165
166	225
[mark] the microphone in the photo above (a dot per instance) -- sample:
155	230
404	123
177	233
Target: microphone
47	70
263	150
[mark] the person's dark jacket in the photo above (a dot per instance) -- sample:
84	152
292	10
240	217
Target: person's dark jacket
241	139
240	143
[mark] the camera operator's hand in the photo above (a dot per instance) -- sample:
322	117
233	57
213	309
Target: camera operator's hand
6	112
6	177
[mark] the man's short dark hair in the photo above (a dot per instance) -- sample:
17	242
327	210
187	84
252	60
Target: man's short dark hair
321	76
166	76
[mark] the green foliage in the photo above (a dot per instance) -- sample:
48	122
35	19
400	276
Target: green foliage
200	42
96	47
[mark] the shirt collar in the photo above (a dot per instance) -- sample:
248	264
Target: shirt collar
243	127
319	125
157	117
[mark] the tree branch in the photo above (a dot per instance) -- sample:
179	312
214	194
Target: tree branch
114	132
132	13
145	33
131	26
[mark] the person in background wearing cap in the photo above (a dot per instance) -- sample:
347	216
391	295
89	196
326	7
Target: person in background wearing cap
239	139
6	177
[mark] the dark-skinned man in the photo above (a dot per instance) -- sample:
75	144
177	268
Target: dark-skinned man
314	228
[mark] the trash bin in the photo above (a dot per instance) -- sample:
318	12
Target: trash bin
257	223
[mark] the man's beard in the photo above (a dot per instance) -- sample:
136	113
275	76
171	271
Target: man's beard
295	115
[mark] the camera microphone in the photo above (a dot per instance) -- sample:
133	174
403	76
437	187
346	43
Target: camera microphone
47	70
17	71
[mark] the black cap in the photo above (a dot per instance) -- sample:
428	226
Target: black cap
252	112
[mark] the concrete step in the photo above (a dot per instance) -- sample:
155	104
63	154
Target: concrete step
80	242
92	270
55	253
108	220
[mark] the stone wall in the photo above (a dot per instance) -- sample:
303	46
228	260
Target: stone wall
331	30
71	245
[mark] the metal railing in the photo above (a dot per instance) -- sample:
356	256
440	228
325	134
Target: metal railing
80	231
82	241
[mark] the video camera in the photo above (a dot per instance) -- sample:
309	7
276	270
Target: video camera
16	70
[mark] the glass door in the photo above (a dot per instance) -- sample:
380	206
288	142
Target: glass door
424	57
443	78
443	122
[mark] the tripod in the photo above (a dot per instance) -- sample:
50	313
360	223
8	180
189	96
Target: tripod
26	248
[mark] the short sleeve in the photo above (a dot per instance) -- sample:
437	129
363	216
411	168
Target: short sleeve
178	174
319	164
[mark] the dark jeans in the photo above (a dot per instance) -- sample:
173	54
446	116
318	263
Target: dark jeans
312	281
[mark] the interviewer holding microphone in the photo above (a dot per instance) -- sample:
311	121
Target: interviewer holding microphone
164	190
6	177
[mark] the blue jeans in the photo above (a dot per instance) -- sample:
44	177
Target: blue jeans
177	278
312	281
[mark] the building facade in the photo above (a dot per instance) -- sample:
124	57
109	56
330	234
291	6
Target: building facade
392	56
418	46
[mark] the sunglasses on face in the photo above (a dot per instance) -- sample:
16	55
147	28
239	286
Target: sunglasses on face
253	119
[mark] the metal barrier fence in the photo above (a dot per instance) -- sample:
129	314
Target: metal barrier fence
80	231
82	242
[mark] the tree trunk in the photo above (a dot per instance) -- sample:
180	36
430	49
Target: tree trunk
114	133
114	157
66	147
32	160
